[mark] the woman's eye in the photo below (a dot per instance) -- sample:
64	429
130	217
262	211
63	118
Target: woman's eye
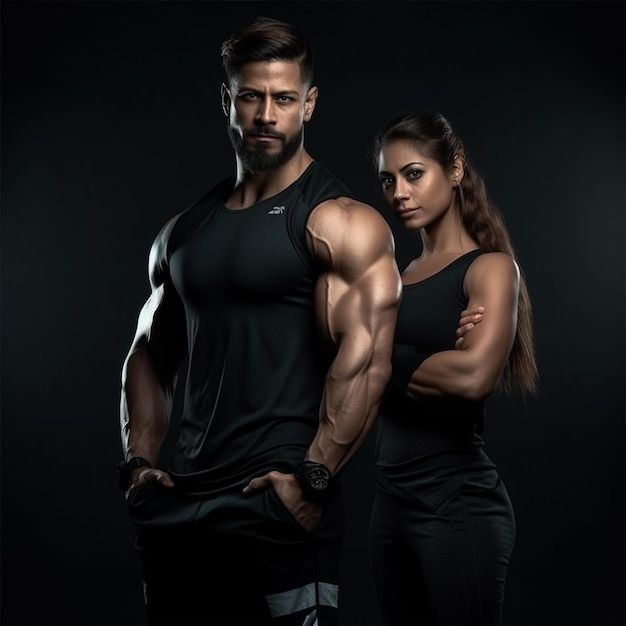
386	182
414	174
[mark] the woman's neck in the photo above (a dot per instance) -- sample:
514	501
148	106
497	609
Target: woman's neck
446	236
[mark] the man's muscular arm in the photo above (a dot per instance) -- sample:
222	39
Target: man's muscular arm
150	369
356	305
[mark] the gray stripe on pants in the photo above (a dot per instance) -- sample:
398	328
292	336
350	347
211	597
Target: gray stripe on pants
301	598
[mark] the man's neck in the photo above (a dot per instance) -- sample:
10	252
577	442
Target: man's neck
253	187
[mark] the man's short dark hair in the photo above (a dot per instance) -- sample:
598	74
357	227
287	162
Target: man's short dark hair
267	40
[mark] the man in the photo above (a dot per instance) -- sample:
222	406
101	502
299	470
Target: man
282	291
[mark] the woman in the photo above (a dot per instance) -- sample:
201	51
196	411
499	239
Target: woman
443	528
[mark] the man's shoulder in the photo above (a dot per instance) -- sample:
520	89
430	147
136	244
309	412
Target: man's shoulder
198	209
183	220
345	211
350	233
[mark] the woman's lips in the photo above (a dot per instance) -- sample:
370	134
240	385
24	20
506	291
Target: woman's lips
407	212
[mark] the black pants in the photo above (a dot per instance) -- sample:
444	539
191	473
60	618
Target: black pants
443	565
235	559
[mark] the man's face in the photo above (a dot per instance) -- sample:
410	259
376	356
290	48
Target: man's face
267	105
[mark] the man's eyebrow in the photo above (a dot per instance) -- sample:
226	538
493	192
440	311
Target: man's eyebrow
284	92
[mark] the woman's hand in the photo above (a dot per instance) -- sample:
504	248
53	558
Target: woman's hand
469	319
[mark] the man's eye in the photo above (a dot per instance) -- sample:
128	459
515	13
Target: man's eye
284	99
248	96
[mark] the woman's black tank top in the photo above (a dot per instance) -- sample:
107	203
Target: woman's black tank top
426	444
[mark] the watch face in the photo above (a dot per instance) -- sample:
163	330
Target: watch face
318	478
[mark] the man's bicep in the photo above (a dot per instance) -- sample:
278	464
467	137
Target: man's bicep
361	287
161	327
167	330
365	305
161	333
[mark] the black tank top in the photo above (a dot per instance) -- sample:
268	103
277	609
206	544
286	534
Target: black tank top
419	447
256	364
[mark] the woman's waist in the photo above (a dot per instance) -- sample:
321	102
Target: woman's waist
422	438
435	412
427	462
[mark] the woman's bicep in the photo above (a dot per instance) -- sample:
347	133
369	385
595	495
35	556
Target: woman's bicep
493	282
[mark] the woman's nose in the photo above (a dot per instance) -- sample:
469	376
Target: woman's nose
401	192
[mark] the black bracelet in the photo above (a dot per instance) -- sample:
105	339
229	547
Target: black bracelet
124	469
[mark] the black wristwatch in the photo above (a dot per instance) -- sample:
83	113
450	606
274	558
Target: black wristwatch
126	467
314	478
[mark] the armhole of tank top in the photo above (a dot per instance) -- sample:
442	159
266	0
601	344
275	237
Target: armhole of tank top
461	276
402	266
191	218
170	243
298	216
297	219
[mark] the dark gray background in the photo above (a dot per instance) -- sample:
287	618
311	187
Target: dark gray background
111	124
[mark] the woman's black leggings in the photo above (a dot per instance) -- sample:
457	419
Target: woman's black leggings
444	565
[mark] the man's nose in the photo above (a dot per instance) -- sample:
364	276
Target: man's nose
266	113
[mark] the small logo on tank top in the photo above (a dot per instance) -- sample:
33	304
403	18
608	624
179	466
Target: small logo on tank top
277	210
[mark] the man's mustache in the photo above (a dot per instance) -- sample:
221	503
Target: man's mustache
264	132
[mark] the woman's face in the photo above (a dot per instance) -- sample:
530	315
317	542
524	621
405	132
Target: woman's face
415	187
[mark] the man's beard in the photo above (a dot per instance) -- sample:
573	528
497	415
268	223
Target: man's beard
258	160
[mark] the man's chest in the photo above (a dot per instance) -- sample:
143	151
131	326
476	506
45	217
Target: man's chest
238	256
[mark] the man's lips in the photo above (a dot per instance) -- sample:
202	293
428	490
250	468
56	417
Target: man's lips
264	136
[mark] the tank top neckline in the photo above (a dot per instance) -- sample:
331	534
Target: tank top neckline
444	269
265	201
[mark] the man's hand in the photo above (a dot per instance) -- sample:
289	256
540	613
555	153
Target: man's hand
287	488
149	475
469	319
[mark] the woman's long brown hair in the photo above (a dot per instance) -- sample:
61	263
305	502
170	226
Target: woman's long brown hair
434	137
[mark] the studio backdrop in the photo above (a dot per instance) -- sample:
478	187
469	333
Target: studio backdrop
111	124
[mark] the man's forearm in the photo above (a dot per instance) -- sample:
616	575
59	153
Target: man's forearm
354	387
145	407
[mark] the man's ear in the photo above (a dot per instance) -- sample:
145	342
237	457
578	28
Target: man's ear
226	100
309	103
